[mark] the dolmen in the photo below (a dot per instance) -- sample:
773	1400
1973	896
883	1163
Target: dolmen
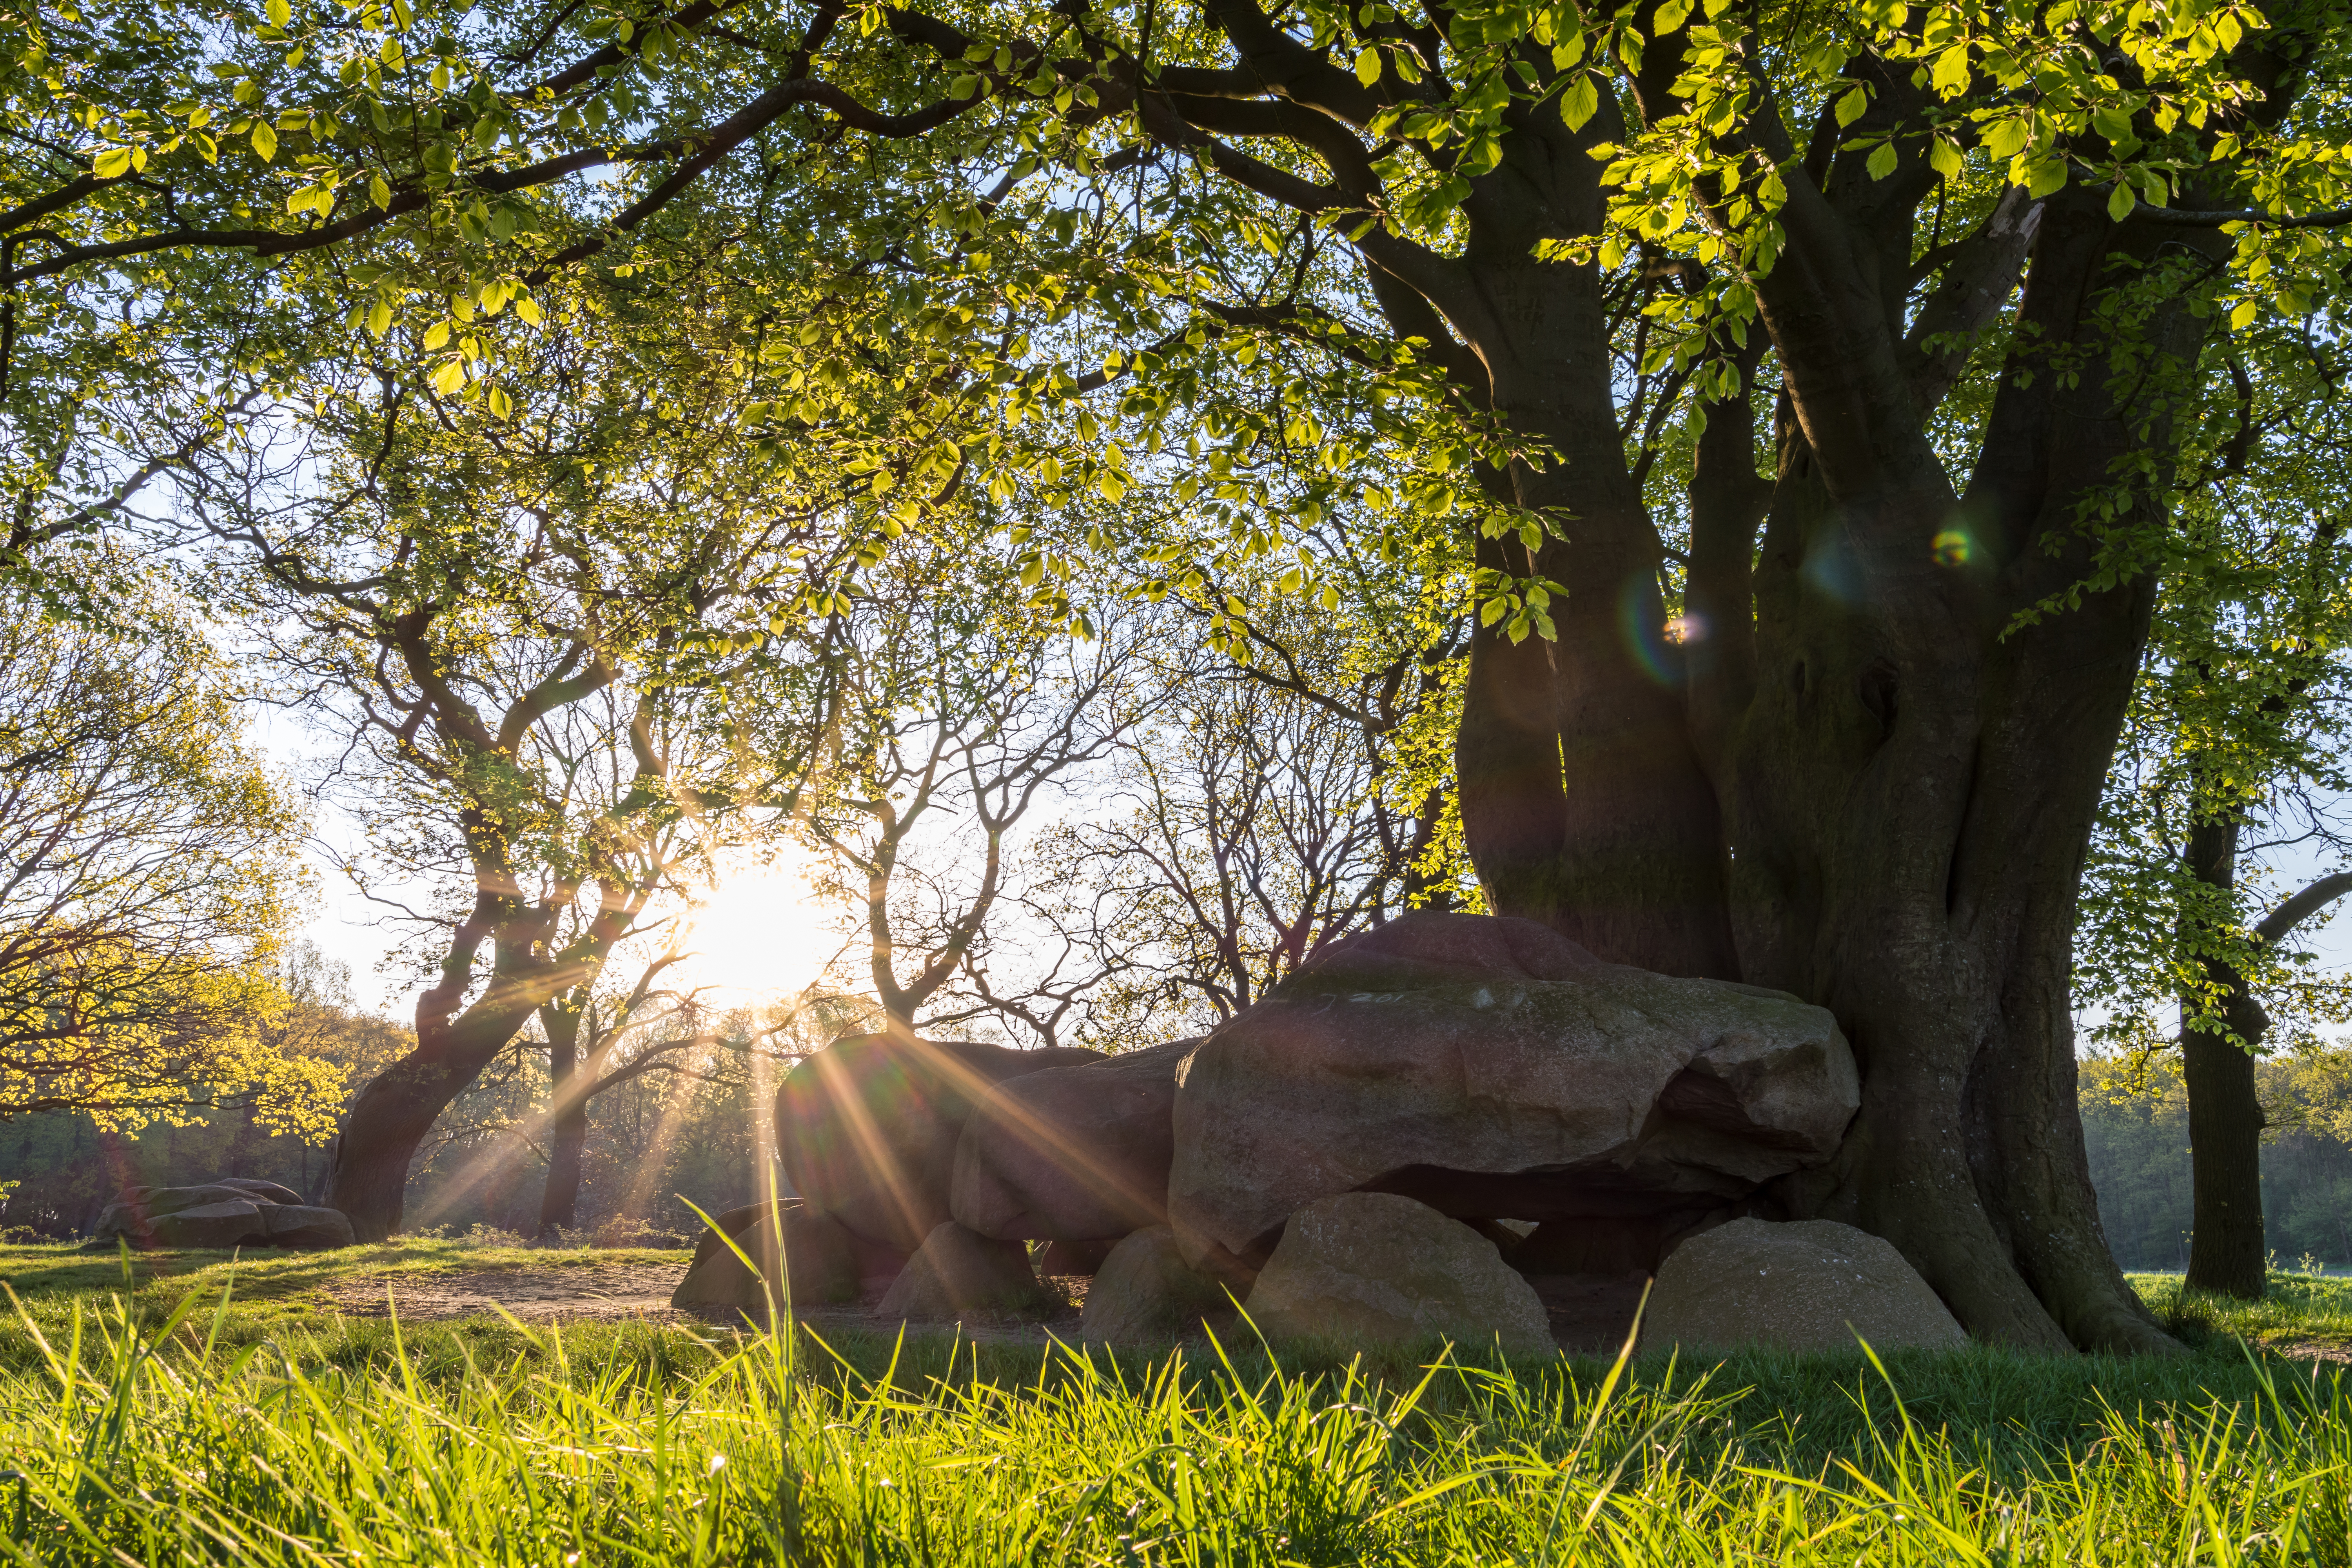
1402	1141
226	1213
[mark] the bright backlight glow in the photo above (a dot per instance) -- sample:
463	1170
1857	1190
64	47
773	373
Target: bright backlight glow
758	933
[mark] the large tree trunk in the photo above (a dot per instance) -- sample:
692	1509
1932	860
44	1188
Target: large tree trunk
390	1117
559	1204
2226	1248
1866	786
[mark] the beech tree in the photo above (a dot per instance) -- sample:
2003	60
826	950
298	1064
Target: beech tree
2223	797
1809	387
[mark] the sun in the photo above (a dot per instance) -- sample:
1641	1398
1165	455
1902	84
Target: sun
758	932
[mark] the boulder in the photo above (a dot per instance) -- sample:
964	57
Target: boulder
956	1271
300	1225
1805	1285
269	1191
1492	1068
868	1127
825	1262
1146	1294
1373	1268
172	1200
1072	1153
222	1224
235	1211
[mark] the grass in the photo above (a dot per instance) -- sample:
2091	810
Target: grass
213	1431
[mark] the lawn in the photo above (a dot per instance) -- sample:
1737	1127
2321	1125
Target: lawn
159	1424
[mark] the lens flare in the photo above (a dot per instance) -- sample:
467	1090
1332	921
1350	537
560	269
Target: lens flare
1951	547
1645	638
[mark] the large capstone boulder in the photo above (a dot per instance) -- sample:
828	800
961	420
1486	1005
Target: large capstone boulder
868	1127
957	1273
1492	1068
1072	1153
1146	1294
1805	1285
234	1211
1372	1268
823	1262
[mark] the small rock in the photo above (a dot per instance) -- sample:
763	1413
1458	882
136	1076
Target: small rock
1146	1294
957	1271
1805	1285
1072	1153
868	1127
1373	1268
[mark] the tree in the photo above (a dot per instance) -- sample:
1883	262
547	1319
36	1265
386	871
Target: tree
492	604
2231	754
584	1031
1262	812
148	870
1866	348
957	713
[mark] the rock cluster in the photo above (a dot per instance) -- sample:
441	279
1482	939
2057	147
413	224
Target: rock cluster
232	1211
1337	1160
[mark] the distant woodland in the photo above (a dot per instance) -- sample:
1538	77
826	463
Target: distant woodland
2135	1122
651	1139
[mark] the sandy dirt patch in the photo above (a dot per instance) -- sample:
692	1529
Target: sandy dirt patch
534	1295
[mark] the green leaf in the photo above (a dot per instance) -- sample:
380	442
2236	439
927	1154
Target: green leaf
1946	158
279	13
1367	64
449	377
379	193
1951	76
1882	161
1577	104
2006	138
1671	16
1853	107
265	140
112	165
2121	200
